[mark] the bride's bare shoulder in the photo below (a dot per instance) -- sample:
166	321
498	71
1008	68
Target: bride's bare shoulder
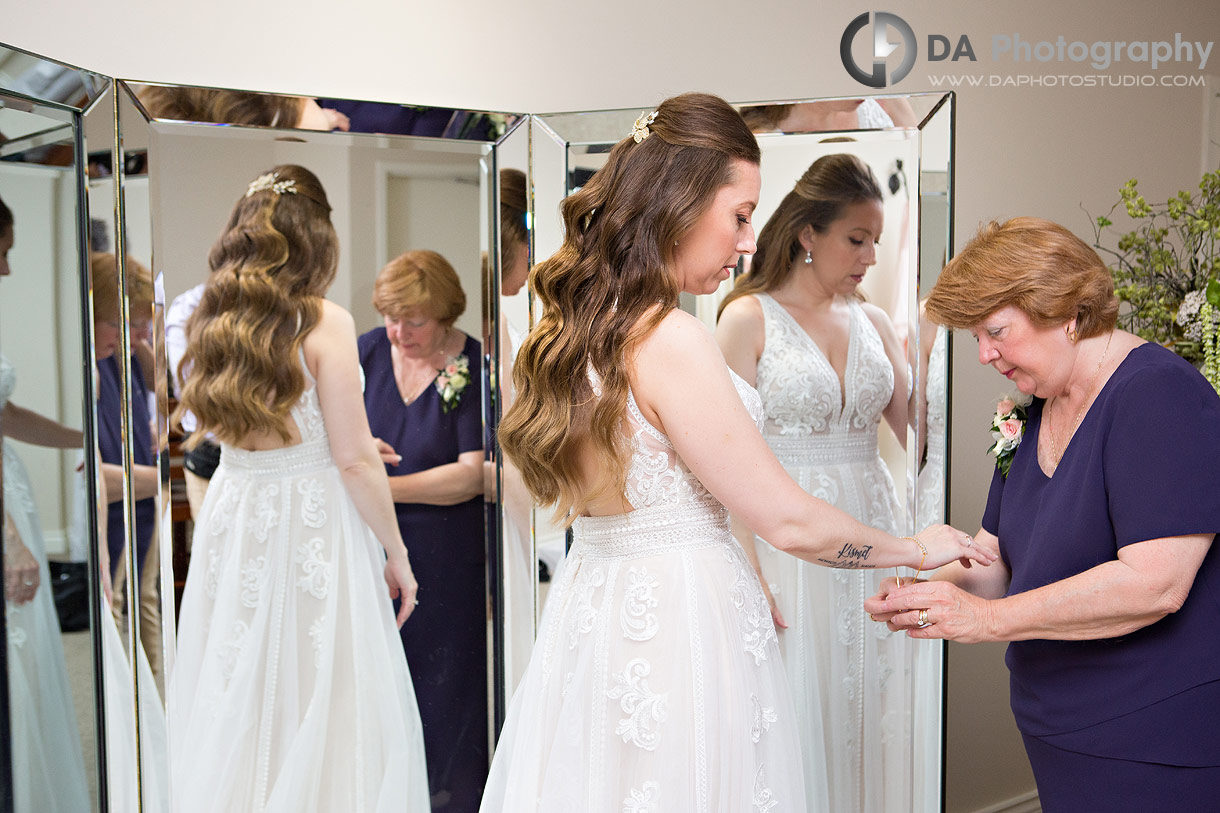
680	337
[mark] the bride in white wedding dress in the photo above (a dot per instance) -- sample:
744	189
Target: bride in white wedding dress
48	766
829	369
655	683
290	692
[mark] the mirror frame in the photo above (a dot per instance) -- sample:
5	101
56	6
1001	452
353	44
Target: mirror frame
72	113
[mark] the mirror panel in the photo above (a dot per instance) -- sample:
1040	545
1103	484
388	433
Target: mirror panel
891	710
391	191
52	723
508	323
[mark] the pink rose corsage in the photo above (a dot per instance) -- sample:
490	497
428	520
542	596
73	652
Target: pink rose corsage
1007	429
451	381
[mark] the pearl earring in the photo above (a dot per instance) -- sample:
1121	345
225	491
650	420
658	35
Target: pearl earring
808	257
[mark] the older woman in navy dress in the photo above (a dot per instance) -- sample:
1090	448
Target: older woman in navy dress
423	398
1110	590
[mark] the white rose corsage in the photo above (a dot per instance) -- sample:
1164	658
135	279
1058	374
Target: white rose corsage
452	380
1007	430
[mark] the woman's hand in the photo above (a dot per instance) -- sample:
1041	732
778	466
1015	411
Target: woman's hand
887	586
775	613
946	544
401	579
387	453
933	609
21	575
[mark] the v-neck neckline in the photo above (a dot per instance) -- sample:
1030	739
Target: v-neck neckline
431	385
1085	419
840	380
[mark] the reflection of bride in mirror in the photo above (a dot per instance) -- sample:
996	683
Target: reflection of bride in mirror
48	766
290	691
829	368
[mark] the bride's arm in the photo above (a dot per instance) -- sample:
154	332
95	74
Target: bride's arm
330	349
681	384
897	410
28	426
741	335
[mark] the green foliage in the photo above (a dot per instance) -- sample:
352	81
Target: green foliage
1171	250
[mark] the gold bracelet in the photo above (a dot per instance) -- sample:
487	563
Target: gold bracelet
923	558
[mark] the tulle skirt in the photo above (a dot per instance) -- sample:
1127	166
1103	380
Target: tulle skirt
655	683
290	692
48	766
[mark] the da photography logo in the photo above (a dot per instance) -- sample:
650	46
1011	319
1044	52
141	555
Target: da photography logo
882	47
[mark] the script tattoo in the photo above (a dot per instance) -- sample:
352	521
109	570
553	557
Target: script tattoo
851	557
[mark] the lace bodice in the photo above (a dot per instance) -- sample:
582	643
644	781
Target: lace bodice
801	389
657	476
8	381
937	393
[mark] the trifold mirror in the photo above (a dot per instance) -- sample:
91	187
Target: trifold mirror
437	216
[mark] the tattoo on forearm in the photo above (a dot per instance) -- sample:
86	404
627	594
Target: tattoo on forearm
851	557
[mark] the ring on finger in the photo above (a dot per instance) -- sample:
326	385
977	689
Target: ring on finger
923	619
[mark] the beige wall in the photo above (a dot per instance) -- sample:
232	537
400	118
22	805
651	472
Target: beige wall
1045	151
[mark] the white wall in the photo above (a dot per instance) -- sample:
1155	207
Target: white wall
1044	151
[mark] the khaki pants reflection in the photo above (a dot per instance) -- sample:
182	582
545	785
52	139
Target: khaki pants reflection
150	605
196	490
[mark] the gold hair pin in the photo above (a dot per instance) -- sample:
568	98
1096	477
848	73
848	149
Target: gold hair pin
640	131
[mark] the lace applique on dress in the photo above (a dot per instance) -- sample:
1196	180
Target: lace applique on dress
644	800
584	614
313	498
764	716
764	799
638	623
315	578
645	709
754	614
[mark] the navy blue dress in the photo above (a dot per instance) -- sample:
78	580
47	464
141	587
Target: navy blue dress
1132	722
110	439
445	639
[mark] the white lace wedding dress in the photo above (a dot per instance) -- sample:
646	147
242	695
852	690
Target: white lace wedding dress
290	692
48	765
850	677
655	683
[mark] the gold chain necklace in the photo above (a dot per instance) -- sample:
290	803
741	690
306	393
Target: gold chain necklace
410	383
1080	413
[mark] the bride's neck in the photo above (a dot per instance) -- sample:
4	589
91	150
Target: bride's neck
804	288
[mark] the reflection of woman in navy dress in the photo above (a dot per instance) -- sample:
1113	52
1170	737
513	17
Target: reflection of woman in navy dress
1109	589
437	487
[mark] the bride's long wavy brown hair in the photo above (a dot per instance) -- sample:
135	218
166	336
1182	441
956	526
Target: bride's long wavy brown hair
270	269
830	185
606	289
